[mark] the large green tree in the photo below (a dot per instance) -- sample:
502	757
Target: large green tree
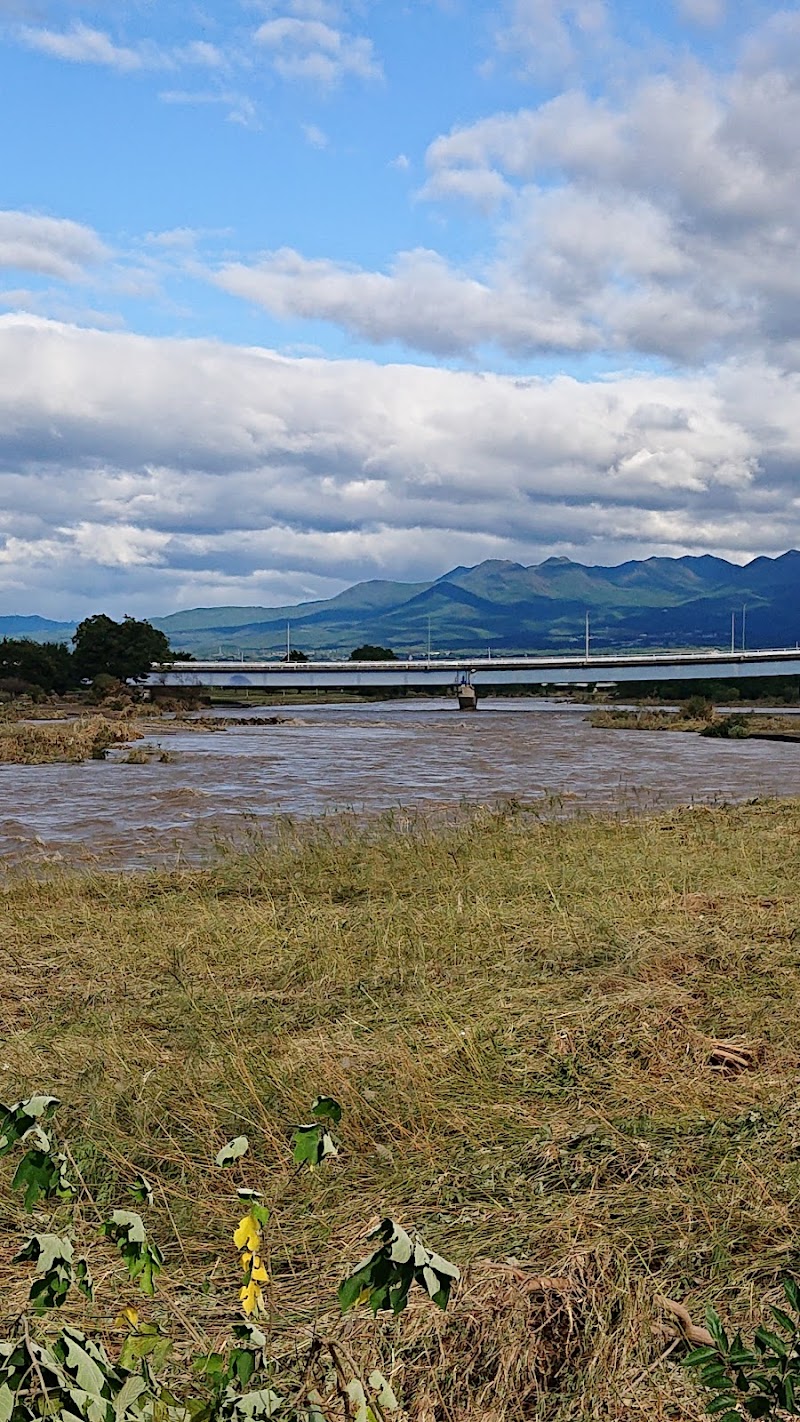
125	650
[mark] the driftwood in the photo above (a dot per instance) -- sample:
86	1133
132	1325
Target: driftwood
688	1330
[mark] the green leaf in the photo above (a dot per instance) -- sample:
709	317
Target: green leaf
141	1190
771	1340
326	1107
700	1355
233	1151
244	1365
83	1279
307	1144
783	1320
249	1334
719	1404
40	1173
6	1402
351	1288
143	1260
792	1292
147	1341
23	1116
714	1325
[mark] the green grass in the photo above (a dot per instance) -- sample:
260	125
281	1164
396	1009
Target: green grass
519	1019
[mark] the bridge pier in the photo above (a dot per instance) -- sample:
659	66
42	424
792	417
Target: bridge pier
467	697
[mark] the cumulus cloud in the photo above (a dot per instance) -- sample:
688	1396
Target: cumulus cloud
314	50
422	302
212	465
51	246
664	222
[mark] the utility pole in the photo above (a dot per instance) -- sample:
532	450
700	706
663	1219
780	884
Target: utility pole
587	636
288	641
744	624
733	631
429	638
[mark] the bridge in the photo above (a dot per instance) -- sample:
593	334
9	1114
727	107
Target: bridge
477	671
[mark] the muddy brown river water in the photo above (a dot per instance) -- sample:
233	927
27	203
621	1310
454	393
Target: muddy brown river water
419	754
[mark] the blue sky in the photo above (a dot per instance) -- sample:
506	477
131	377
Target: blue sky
295	292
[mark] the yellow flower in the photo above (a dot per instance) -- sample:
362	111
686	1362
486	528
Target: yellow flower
248	1234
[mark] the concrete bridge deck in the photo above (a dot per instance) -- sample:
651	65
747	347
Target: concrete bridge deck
478	671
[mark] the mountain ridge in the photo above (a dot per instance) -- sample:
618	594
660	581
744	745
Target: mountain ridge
508	606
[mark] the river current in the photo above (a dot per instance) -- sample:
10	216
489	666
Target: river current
419	755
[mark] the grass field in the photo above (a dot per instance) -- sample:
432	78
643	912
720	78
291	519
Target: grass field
567	1053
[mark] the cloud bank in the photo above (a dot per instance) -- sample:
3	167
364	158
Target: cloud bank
171	472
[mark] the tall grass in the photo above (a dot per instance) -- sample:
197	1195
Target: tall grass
522	1022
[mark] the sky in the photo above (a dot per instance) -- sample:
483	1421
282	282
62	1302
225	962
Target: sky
295	293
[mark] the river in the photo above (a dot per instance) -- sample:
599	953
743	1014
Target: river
366	758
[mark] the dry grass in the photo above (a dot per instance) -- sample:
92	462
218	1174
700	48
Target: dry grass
753	723
648	719
566	1052
75	740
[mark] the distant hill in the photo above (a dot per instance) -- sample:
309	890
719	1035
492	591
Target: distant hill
655	602
37	629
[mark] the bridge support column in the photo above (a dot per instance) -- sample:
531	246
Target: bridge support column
467	696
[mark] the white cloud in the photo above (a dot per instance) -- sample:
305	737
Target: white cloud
50	246
548	35
84	45
422	302
211	466
311	49
663	222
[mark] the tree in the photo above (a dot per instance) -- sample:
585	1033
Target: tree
47	665
295	656
370	653
125	650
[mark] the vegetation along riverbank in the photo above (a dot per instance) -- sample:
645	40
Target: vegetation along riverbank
565	1053
701	719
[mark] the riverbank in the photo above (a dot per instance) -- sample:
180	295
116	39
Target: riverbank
571	1046
738	725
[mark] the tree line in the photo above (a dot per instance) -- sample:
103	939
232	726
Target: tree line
122	651
101	647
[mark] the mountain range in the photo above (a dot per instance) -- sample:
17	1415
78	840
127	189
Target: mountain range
655	602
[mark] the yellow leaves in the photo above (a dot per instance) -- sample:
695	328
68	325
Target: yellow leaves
252	1300
127	1318
248	1235
248	1240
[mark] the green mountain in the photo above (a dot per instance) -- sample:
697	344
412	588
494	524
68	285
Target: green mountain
657	602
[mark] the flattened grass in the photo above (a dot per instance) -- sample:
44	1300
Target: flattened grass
83	738
522	1021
